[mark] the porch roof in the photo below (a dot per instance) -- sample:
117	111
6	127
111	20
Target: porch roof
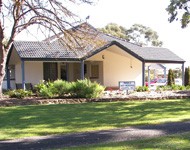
30	50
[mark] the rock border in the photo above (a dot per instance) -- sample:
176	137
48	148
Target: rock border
6	102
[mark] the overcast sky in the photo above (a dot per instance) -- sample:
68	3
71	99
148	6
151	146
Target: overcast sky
150	13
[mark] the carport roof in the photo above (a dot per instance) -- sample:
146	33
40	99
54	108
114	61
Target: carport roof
54	50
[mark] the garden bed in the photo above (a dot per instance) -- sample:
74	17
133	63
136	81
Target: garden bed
108	97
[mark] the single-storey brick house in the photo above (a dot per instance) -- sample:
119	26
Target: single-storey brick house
97	56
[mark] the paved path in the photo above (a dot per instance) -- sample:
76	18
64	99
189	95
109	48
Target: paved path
121	134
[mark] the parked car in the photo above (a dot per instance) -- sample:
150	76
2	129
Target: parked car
160	82
151	81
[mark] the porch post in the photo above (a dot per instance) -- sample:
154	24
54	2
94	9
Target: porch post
8	77
23	74
143	73
82	69
183	74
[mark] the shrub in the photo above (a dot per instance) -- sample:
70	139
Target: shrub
171	80
182	87
175	87
187	76
141	88
172	87
86	89
39	86
187	87
20	93
163	88
59	88
45	89
62	88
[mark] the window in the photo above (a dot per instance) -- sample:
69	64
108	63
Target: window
94	71
50	71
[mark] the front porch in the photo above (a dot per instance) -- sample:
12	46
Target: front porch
33	72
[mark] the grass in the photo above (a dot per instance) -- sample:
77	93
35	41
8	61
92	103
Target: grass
38	120
172	142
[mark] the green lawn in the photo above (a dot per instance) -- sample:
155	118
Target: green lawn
172	142
24	121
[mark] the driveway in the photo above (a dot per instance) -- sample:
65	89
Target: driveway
78	139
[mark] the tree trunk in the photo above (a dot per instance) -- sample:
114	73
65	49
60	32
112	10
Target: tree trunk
3	56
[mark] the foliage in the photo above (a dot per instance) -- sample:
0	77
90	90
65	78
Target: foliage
80	89
187	87
86	89
172	87
141	88
179	10
137	34
61	88
143	35
171	79
115	30
20	93
45	89
38	120
187	76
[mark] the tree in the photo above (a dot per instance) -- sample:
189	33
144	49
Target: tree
137	34
187	76
48	15
179	9
115	30
171	80
143	35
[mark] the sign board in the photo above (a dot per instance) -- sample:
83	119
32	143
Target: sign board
127	85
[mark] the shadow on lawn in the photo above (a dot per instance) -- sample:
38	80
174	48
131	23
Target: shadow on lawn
105	136
70	118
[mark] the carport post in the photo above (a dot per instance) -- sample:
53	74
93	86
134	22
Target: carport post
183	74
23	74
82	69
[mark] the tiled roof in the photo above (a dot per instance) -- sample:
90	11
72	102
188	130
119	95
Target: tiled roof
158	54
56	50
30	49
147	53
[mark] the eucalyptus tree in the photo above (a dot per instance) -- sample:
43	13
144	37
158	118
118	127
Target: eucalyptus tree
137	33
142	35
115	30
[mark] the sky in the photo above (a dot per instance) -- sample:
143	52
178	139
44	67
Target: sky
150	13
